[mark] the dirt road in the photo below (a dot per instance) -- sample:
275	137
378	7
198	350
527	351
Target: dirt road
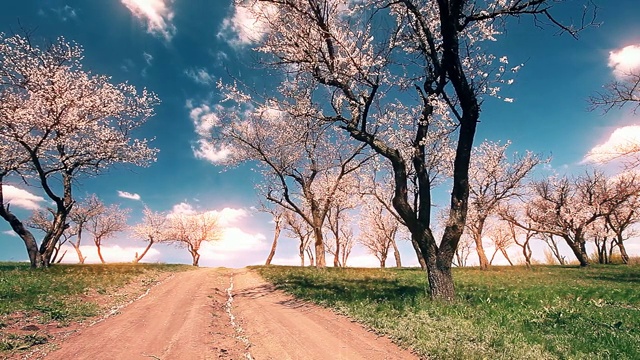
224	314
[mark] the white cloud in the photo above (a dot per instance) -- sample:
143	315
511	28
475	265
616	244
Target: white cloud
182	208
234	243
128	195
148	58
622	141
204	117
207	151
10	233
245	26
157	14
624	60
110	253
200	76
21	198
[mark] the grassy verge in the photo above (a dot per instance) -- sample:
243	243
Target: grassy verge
64	294
506	313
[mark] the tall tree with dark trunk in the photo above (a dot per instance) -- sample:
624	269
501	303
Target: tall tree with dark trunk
59	122
348	64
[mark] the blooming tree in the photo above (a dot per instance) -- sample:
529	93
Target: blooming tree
191	230
105	224
59	122
80	215
41	220
494	179
153	228
304	162
378	231
394	75
621	218
568	206
298	228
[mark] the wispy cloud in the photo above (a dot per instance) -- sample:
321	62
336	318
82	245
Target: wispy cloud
21	198
622	141
128	195
10	233
624	60
157	14
204	118
246	25
200	76
148	58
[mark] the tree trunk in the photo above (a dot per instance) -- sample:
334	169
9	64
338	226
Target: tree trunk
196	258
319	247
138	258
440	279
100	253
336	256
579	250
276	235
27	237
76	246
312	260
396	254
623	251
416	247
506	256
526	252
61	257
482	256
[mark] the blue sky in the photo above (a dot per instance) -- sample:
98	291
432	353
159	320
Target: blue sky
178	49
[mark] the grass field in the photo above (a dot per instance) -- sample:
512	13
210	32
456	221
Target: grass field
507	313
65	293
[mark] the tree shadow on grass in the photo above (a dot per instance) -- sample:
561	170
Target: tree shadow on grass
378	290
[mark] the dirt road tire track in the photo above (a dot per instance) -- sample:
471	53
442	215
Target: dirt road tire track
187	318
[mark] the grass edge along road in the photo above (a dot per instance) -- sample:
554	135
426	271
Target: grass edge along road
549	312
36	303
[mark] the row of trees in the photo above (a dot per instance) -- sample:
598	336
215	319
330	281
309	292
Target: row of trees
186	230
401	79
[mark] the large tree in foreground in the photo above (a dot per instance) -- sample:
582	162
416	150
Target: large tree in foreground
394	75
59	122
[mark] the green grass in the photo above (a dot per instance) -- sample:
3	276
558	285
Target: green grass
55	293
506	313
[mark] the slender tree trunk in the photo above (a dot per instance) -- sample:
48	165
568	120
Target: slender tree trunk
336	256
506	256
76	246
396	253
492	257
146	249
196	258
526	252
416	248
61	257
482	256
312	259
100	253
623	251
301	254
276	235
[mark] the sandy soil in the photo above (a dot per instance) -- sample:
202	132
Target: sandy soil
224	314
